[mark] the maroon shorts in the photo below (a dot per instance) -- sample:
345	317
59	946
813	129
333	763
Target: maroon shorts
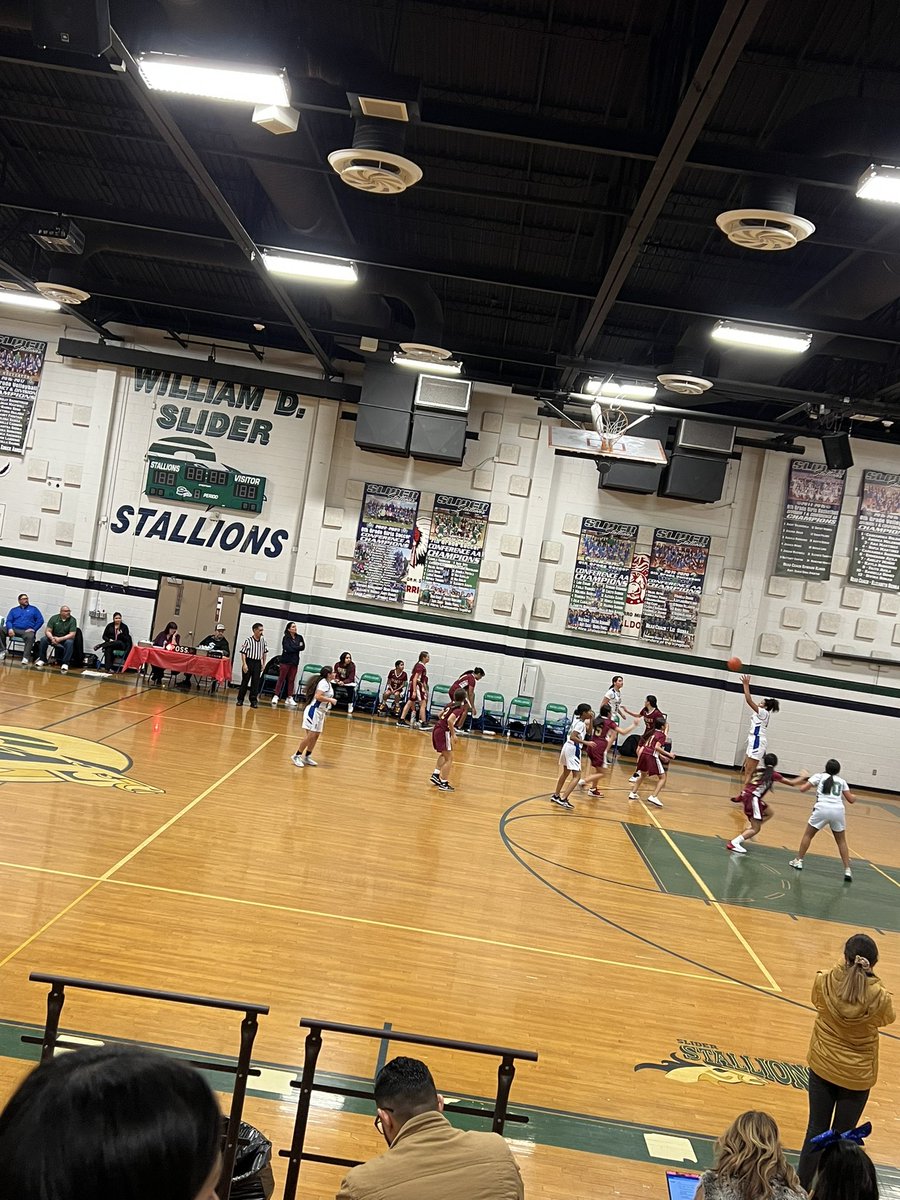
440	739
649	763
752	807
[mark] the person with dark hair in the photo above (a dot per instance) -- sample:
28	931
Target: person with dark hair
570	756
831	792
851	1004
750	1164
108	1123
652	762
758	737
442	736
394	688
253	658
115	637
756	810
417	696
22	621
345	680
166	639
319	699
60	638
292	645
468	681
845	1171
649	714
427	1158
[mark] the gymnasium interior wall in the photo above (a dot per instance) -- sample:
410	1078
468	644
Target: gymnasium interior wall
60	505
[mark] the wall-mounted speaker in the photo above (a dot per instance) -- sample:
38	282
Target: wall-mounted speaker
438	437
704	435
838	455
81	26
694	477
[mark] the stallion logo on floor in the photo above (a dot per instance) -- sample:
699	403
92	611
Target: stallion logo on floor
42	756
696	1062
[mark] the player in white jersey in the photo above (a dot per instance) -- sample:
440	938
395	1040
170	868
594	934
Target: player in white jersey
831	792
320	698
570	756
758	737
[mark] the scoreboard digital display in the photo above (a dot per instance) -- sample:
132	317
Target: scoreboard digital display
195	483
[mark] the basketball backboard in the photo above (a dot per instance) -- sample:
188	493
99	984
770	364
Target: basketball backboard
595	445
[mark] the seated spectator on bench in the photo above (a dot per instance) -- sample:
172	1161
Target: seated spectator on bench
395	688
166	639
427	1158
345	680
749	1164
60	638
115	637
22	621
110	1123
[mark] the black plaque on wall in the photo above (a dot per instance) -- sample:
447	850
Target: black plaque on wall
812	509
875	560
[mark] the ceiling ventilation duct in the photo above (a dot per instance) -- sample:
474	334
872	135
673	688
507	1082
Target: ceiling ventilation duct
684	375
685	385
766	219
374	162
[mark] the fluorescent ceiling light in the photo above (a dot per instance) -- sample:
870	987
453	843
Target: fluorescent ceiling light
311	266
439	366
28	300
880	183
758	337
213	80
616	389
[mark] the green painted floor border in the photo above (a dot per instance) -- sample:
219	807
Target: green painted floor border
559	1128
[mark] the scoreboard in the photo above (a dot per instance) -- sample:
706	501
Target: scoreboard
196	483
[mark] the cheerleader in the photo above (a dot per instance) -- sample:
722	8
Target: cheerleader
320	698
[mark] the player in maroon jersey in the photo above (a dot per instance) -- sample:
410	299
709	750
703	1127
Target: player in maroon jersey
652	762
650	714
442	737
467	682
597	747
752	800
418	693
395	687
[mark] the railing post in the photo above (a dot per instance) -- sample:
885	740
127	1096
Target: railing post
506	1073
55	1000
249	1026
307	1079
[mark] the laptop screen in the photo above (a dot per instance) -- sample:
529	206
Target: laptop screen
681	1185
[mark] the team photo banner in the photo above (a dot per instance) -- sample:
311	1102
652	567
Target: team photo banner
674	587
602	571
387	522
21	364
812	509
875	558
453	556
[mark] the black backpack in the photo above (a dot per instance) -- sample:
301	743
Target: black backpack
629	746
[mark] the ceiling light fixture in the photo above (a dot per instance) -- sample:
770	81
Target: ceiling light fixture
213	80
311	266
758	337
880	183
28	300
619	389
430	366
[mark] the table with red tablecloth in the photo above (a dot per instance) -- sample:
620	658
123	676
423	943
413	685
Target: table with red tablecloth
171	660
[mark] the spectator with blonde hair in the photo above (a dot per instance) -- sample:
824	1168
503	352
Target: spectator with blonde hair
750	1164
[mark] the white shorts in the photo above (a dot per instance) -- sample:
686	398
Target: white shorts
314	717
756	752
833	815
570	756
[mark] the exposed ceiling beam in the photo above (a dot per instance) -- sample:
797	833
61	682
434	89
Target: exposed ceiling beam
72	311
732	30
185	155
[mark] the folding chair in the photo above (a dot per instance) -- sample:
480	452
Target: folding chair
493	709
556	723
368	692
518	716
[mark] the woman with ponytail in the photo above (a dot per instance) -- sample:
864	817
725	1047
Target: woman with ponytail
831	792
852	1004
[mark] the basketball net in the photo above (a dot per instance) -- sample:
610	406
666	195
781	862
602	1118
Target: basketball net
610	423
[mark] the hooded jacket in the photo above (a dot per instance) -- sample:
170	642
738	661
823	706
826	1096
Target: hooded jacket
844	1044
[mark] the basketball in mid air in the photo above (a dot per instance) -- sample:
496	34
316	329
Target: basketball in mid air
734	664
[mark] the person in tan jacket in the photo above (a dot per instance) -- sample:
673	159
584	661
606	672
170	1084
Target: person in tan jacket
852	1004
427	1158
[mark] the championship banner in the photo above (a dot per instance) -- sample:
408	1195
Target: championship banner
637	594
812	509
453	556
21	364
602	570
875	558
674	586
383	542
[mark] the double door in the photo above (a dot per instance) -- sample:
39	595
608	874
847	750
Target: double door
197	607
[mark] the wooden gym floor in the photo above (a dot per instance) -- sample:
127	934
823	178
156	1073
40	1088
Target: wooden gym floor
664	982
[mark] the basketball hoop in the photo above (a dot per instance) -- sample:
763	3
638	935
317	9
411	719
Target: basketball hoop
609	424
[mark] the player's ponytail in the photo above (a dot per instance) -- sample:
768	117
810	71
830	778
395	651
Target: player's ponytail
829	787
769	763
860	956
313	686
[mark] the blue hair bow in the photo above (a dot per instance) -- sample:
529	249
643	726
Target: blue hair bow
852	1135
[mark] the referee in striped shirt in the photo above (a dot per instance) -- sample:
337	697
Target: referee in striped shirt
253	659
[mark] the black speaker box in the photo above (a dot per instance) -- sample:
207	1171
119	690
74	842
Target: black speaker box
438	438
385	386
626	476
838	455
81	26
383	430
694	477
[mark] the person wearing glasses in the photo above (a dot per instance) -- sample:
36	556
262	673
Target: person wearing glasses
427	1158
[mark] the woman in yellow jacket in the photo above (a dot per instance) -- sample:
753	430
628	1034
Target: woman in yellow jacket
851	1006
